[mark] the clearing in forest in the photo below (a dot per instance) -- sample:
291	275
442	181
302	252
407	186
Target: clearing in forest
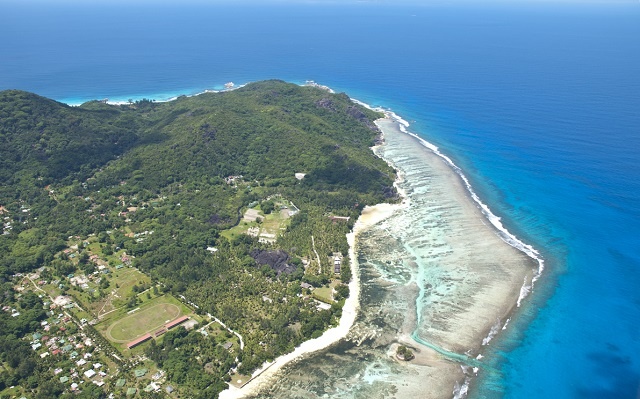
266	227
126	325
142	321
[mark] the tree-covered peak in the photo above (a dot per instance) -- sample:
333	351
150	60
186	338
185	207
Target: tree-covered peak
234	204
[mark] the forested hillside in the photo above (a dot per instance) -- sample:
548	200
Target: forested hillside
201	195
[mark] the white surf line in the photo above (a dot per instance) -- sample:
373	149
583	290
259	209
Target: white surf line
166	100
503	233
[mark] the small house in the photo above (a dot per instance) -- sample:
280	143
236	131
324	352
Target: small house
140	372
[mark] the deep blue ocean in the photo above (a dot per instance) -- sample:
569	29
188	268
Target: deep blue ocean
538	103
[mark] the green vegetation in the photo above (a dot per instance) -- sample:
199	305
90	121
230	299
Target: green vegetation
404	353
25	328
119	207
196	365
126	324
19	363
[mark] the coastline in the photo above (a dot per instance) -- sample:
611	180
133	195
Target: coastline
265	375
447	356
468	276
478	208
370	216
164	98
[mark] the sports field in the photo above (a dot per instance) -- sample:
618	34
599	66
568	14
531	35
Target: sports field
142	321
124	326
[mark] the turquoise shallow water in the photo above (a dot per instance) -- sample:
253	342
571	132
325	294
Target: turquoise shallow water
537	103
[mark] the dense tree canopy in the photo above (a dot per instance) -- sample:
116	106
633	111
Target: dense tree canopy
183	173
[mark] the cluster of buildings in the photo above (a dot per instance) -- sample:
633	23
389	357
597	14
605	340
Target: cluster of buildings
154	386
55	338
80	360
6	220
233	179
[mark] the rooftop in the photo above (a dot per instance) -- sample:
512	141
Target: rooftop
140	372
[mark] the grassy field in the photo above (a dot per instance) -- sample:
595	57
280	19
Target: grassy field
272	224
142	321
97	298
121	283
324	294
123	326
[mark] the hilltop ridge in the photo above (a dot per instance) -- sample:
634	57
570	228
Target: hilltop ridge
231	204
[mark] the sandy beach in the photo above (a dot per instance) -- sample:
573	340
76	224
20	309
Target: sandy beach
264	376
431	273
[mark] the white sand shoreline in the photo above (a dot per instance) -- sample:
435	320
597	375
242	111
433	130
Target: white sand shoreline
262	377
469	340
172	97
